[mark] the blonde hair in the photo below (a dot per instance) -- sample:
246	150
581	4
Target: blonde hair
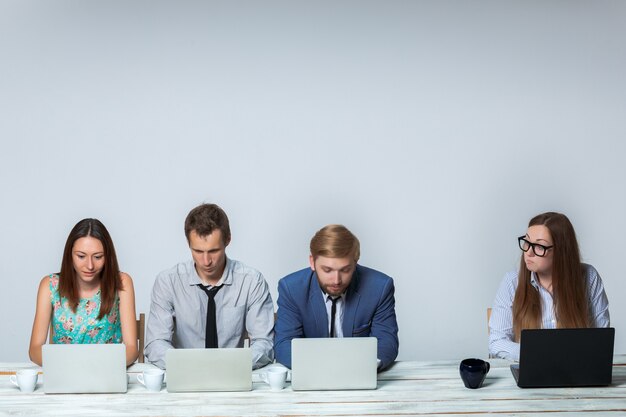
335	241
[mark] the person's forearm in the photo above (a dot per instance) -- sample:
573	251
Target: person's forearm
131	354
505	349
155	352
35	355
262	353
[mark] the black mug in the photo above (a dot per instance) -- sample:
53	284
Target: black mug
473	372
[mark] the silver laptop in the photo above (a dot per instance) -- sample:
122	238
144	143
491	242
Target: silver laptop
333	363
224	369
77	369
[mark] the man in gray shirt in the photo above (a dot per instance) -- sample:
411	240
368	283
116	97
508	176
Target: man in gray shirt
211	300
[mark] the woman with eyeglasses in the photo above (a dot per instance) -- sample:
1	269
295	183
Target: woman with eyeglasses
552	289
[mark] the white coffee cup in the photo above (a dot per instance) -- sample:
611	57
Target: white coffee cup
275	377
25	379
152	379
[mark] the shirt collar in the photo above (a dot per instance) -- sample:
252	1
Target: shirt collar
342	296
226	279
534	281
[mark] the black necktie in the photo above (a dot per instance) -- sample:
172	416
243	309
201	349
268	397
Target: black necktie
333	312
210	340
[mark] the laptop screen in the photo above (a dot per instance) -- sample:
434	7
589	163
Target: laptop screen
566	357
89	368
193	370
334	363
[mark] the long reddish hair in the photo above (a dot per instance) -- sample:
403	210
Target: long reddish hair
110	281
569	289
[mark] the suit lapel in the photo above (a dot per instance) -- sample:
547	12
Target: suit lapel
352	303
316	301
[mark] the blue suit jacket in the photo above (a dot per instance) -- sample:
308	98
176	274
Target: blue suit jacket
369	310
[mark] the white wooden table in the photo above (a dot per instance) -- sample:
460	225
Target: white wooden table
407	389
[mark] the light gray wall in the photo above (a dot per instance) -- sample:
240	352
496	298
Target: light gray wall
434	130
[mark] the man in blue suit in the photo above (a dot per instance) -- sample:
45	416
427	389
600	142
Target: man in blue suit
336	297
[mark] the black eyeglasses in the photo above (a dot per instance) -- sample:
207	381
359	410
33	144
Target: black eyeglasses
539	250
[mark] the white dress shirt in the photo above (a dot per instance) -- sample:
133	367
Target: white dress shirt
338	312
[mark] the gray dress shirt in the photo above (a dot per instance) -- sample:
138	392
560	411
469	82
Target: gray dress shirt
178	312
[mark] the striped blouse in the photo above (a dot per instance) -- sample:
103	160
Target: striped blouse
501	344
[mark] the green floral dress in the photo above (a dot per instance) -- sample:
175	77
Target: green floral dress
83	326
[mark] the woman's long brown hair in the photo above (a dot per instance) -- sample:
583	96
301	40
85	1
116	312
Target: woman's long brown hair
569	289
110	281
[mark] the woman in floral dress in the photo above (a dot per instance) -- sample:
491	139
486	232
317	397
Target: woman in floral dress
90	300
